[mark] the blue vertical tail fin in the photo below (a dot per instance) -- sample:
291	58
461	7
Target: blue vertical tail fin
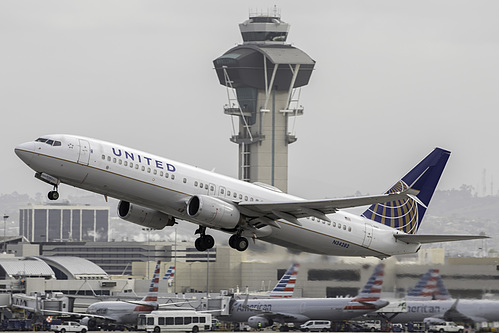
406	215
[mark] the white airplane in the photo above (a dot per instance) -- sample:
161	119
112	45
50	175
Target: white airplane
124	313
155	191
261	313
433	303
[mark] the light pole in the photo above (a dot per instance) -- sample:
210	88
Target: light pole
147	229
5	217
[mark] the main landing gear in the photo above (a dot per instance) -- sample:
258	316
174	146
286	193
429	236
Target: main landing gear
204	241
238	242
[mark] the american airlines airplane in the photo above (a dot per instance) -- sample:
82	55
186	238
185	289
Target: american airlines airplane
111	313
433	303
261	313
156	191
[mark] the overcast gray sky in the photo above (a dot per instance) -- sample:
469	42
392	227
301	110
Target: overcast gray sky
393	80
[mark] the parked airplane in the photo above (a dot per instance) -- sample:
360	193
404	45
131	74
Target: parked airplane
264	312
155	191
125	313
441	307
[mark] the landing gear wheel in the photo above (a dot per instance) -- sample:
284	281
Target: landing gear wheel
200	244
209	241
53	195
241	244
232	241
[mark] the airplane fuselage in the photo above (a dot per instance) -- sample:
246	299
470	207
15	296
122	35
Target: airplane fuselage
334	309
119	312
166	186
418	311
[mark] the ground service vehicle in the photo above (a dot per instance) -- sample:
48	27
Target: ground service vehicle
174	321
70	326
446	326
372	325
316	326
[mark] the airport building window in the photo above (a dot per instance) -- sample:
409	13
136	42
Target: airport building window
333	275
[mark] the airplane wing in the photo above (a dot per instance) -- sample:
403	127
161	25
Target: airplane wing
268	212
408	238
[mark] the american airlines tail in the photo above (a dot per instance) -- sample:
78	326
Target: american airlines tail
369	297
152	294
286	285
429	287
170	273
406	215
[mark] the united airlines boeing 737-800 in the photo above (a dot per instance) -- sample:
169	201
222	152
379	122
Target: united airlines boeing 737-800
155	191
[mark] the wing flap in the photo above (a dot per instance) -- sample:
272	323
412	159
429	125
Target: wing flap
424	239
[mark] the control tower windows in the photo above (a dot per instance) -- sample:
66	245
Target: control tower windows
264	36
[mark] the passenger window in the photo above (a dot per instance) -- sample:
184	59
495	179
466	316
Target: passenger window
201	185
166	175
245	198
131	165
184	180
235	195
149	170
136	166
125	163
228	193
349	228
205	186
196	183
155	172
103	157
339	225
222	191
240	197
334	224
344	227
114	159
120	161
173	177
212	188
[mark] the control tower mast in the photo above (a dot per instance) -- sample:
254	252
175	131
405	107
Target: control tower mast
263	77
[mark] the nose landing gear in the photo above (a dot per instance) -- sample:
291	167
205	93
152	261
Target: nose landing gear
54	194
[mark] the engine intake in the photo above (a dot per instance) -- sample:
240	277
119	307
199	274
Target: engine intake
254	322
213	212
144	216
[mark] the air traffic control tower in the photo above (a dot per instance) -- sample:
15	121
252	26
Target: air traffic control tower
263	77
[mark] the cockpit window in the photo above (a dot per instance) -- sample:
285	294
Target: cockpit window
49	142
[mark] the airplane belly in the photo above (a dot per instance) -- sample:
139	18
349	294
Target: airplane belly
318	240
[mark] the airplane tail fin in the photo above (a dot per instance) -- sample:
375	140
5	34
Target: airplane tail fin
170	273
286	285
152	294
406	215
369	296
429	287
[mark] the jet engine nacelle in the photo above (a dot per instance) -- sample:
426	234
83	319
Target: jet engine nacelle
254	322
144	216
213	212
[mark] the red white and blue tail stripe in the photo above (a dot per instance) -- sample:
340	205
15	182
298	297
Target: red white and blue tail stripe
429	287
152	295
369	297
286	285
170	273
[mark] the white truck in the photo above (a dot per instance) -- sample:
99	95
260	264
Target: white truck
70	326
446	326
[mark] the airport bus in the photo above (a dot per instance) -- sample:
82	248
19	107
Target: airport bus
175	320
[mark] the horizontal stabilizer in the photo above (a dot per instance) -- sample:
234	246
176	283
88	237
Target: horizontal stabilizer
408	238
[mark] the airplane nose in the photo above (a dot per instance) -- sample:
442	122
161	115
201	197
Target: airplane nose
25	151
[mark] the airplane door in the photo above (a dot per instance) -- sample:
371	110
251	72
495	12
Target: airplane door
368	236
84	156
